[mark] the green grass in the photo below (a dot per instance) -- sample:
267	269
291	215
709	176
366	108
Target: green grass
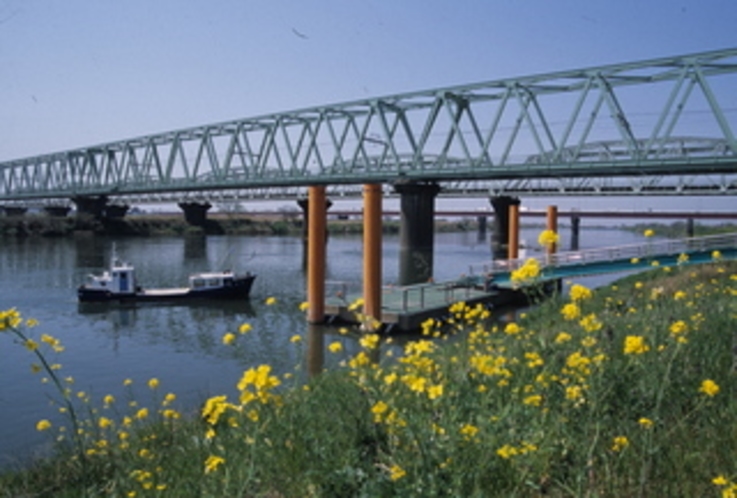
632	393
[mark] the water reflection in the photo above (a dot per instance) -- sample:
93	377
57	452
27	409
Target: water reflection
90	251
195	247
315	354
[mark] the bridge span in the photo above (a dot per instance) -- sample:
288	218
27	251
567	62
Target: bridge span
662	125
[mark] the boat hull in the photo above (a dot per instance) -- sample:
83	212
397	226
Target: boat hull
238	288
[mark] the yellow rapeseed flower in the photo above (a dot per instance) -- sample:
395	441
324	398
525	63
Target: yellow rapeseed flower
369	341
709	387
379	408
580	293
645	423
528	272
507	451
512	329
533	400
574	393
244	328
43	425
720	480
570	311
434	392
547	238
212	463
562	337
335	347
468	431
648	233
228	338
396	472
635	344
590	323
295	338
678	328
619	443
270	300
304	306
153	383
356	304
214	407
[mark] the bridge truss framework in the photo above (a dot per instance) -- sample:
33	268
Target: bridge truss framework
655	127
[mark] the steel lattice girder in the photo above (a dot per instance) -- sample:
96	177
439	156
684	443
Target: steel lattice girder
670	116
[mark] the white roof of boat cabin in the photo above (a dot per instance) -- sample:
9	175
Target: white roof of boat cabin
219	274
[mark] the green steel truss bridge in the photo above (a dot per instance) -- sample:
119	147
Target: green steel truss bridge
663	126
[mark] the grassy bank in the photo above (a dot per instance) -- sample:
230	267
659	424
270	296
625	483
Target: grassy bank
630	390
33	225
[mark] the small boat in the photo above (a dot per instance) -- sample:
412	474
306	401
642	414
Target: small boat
119	284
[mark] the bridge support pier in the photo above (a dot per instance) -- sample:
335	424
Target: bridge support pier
513	234
481	222
92	205
575	232
501	236
304	204
195	213
14	210
372	252
317	221
57	211
416	231
552	225
116	211
689	227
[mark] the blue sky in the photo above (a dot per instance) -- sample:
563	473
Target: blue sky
75	73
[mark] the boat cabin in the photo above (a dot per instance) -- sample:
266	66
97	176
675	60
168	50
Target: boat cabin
205	281
120	279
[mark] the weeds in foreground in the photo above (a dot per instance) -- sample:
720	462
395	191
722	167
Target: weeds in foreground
626	391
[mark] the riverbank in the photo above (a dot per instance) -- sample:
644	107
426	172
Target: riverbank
627	390
290	223
144	225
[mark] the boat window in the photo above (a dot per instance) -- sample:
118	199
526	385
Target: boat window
197	283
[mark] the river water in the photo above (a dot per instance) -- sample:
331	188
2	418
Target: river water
181	345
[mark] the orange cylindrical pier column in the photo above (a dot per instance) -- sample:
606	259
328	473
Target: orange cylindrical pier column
513	247
372	251
316	231
552	225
